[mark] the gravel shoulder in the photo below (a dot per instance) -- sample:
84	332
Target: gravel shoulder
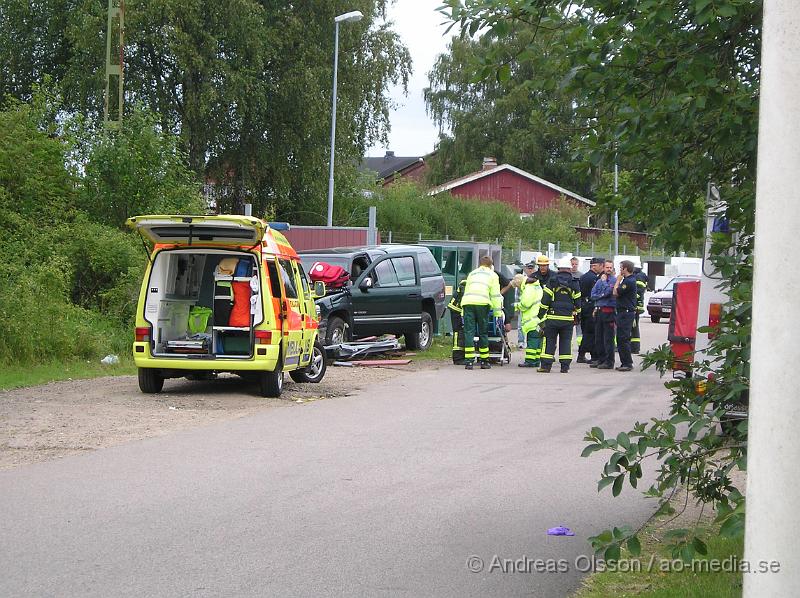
63	418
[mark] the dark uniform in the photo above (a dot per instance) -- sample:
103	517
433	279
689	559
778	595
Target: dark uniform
626	314
560	305
543	278
641	287
457	322
586	283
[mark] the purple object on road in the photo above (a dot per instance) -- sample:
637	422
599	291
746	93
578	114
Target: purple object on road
560	531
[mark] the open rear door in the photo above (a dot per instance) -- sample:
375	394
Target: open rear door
683	323
204	230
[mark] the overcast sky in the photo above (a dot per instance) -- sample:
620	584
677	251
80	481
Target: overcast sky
421	29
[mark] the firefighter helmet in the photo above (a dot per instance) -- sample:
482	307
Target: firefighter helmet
542	260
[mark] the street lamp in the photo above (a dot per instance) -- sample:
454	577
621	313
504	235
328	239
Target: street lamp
348	17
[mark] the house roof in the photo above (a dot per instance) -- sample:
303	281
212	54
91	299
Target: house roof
389	164
490	171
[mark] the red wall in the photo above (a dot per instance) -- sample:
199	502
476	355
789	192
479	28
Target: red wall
322	237
523	194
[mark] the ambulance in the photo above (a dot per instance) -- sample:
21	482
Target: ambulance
224	294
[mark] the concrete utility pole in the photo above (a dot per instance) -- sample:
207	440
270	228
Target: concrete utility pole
616	212
773	491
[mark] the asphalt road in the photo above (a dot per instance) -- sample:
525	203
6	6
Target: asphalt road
386	493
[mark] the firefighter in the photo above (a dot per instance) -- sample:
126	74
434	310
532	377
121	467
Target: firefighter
641	287
481	297
560	307
530	300
457	322
544	272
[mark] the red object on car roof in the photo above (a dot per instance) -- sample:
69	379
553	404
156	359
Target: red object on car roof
683	322
332	276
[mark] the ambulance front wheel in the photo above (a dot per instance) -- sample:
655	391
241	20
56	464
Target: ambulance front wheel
271	384
149	381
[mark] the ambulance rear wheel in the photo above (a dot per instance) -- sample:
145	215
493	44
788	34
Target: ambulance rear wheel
271	384
315	370
149	381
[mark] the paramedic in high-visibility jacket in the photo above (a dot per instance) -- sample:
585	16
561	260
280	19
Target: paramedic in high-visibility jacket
560	308
530	300
481	298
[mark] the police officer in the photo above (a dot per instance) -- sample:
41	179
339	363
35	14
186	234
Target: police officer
625	292
530	300
641	287
481	297
457	322
560	306
586	283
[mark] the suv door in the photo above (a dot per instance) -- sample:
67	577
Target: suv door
392	302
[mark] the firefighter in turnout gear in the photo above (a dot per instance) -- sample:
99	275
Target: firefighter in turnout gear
457	322
481	296
641	287
560	307
530	301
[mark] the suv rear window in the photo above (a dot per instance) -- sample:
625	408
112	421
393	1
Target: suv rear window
404	266
428	265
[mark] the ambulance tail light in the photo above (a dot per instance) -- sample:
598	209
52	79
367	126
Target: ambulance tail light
142	334
714	316
263	337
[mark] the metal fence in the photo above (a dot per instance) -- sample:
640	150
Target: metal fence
512	250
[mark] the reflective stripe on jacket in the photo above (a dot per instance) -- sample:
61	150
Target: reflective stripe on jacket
483	288
561	299
530	300
455	302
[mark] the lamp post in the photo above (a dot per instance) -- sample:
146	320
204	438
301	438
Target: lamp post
348	17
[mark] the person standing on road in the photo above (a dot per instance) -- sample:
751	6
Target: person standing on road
641	287
605	308
560	306
576	275
586	283
481	296
625	292
530	301
457	323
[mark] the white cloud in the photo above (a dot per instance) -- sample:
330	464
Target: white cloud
422	30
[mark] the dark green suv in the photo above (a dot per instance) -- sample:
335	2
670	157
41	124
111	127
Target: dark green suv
393	289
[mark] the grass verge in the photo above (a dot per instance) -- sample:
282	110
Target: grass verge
18	376
655	574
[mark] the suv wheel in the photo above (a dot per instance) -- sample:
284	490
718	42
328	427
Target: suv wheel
655	319
315	370
422	340
336	332
271	384
149	381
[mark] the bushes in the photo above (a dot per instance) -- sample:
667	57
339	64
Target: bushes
38	322
407	210
69	274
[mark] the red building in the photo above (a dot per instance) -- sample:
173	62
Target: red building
523	191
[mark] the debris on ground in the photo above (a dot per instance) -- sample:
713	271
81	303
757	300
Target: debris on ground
353	353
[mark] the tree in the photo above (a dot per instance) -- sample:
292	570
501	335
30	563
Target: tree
246	84
506	116
669	88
